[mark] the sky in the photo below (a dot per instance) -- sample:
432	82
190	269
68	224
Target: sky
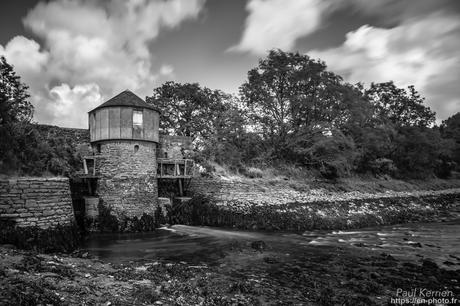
76	54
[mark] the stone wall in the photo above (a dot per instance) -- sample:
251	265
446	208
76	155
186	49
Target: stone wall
260	192
225	190
42	202
127	173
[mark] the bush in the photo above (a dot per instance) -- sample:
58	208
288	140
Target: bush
382	166
253	172
333	155
419	150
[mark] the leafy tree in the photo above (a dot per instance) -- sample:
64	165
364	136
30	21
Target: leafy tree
450	129
289	95
15	112
188	109
420	152
400	106
226	143
374	145
332	153
213	118
14	104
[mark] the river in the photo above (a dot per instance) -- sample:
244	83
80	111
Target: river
438	241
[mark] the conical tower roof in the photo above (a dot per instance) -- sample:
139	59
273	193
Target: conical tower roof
126	98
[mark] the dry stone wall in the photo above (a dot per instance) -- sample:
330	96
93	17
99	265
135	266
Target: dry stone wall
227	190
42	202
259	192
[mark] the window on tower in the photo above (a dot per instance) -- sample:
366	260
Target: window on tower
137	123
137	117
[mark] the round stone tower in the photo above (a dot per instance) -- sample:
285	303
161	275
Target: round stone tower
124	137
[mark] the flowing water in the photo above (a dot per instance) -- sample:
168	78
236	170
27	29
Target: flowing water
438	241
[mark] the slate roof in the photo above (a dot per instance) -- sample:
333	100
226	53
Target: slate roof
126	98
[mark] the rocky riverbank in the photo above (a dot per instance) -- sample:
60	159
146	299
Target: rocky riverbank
243	273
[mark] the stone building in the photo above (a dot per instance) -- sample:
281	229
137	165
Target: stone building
124	138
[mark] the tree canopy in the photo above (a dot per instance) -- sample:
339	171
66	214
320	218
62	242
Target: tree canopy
291	109
288	92
14	104
188	109
400	106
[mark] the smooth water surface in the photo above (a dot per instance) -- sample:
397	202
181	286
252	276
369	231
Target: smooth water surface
437	241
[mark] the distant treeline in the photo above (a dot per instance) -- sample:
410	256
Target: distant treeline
290	111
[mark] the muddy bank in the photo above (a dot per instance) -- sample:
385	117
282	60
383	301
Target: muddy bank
246	273
340	211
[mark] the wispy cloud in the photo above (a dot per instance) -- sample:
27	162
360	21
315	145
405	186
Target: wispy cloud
278	24
420	51
418	45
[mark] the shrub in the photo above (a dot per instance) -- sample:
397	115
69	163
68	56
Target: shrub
382	166
333	155
253	172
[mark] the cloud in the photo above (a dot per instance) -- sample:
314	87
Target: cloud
167	70
69	101
418	45
88	45
278	24
26	55
420	51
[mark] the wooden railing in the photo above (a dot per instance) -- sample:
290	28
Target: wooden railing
175	168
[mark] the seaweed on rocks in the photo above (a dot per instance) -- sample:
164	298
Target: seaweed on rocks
301	216
56	239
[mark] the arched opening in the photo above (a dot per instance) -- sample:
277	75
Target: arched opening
136	148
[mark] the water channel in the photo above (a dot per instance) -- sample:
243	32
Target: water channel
439	241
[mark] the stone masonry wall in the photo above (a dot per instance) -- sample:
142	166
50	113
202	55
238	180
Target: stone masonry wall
128	177
42	202
226	190
260	192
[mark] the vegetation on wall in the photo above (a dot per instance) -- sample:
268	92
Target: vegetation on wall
109	222
58	239
306	216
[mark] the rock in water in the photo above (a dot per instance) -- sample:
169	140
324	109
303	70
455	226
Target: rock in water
258	245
